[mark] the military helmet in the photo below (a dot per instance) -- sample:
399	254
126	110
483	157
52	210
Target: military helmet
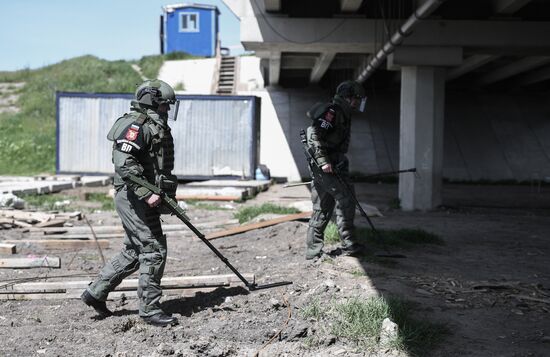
350	89
155	92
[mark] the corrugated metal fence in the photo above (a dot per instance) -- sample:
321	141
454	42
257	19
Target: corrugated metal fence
213	136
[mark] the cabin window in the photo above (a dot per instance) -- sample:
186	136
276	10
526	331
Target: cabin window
189	22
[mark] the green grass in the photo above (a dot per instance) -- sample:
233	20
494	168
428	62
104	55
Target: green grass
359	322
358	273
331	233
107	203
27	138
46	202
150	65
314	310
247	213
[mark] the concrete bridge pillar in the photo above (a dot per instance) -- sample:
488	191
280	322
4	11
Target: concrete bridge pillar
421	136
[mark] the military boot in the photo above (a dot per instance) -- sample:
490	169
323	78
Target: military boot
353	250
99	306
160	319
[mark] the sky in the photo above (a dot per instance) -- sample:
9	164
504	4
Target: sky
36	33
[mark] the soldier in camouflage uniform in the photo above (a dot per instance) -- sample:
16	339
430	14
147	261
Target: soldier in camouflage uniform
142	146
328	140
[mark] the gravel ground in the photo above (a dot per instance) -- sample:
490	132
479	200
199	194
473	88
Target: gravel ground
477	284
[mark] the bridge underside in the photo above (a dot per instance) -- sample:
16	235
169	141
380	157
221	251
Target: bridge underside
468	45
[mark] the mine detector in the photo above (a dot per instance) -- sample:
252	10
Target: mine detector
173	207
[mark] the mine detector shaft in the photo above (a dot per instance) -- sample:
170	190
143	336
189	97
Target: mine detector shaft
314	167
172	205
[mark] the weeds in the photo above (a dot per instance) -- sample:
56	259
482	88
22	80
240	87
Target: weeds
359	321
247	213
48	202
358	273
331	233
313	310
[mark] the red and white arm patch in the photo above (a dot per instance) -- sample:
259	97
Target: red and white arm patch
132	132
329	115
326	121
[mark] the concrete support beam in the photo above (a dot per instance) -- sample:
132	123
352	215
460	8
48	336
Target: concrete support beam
272	5
509	7
421	136
350	5
424	56
537	76
321	66
357	35
513	69
470	64
274	68
297	62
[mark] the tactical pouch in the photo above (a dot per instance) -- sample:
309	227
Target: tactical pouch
168	184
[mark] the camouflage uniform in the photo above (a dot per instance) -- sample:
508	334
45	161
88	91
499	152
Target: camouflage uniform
143	146
329	137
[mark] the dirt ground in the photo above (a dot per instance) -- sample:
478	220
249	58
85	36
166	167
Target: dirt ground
489	284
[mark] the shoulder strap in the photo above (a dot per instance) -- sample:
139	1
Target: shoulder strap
141	119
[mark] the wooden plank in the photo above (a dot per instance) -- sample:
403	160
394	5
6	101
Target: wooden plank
183	197
26	215
167	282
115	295
118	229
35	262
172	286
114	231
60	243
51	223
7	248
184	191
22	224
249	227
259	185
81	236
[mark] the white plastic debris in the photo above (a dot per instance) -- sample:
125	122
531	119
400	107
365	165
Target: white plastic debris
11	200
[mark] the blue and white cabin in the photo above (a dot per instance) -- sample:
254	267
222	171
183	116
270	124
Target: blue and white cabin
191	28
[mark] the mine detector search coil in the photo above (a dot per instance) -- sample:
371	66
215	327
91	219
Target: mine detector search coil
173	207
313	164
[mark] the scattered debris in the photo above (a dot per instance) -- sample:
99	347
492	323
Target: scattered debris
11	201
7	248
26	219
388	332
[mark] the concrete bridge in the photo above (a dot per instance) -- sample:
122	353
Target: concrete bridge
457	88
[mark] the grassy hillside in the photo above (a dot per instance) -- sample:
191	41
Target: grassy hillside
27	138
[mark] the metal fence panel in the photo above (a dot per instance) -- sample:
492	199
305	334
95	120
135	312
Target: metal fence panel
213	136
